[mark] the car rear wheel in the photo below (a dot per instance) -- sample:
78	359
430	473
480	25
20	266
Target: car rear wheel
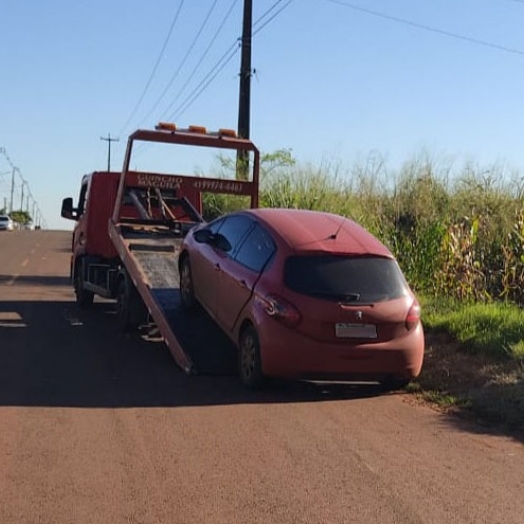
249	361
187	291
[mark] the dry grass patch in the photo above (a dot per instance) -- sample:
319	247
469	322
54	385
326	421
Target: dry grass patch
482	387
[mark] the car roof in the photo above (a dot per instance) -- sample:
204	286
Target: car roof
313	231
4	217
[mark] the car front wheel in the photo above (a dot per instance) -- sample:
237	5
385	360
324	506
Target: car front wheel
187	291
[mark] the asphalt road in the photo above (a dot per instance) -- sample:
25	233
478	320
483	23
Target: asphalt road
98	427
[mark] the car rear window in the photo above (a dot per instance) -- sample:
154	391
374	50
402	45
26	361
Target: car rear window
345	278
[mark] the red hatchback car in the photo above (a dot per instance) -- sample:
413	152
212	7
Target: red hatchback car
305	295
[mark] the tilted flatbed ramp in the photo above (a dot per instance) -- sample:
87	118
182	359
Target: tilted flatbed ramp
195	341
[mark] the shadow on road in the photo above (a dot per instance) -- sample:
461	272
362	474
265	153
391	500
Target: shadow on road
34	280
54	354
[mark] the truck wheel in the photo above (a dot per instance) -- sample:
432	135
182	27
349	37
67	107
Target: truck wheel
84	298
130	310
249	362
187	291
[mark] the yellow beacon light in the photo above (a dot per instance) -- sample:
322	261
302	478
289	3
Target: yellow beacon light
231	133
165	126
198	129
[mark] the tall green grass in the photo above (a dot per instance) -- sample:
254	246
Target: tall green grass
457	231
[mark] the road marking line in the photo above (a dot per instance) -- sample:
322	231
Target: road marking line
25	262
12	280
11	319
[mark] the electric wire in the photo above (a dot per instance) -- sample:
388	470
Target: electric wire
427	27
16	187
272	17
204	54
216	69
177	72
205	82
155	67
208	79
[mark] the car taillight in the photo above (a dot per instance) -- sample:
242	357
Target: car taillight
413	317
282	310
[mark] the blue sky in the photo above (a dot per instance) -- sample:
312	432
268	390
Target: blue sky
334	80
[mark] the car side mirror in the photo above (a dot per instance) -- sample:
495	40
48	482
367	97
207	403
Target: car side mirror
67	209
203	236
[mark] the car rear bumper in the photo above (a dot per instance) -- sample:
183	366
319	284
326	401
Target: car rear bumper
288	354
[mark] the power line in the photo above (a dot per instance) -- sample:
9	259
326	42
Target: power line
208	48
153	72
272	17
108	139
217	68
177	72
428	28
208	79
16	184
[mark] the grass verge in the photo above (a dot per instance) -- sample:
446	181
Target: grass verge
473	363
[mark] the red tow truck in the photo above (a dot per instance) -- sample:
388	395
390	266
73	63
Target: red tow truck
129	227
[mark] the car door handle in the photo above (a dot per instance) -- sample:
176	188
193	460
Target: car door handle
217	267
242	284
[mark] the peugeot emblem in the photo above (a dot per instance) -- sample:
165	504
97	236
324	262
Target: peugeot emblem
358	314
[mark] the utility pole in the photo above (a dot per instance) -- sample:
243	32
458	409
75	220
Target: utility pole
109	140
22	198
12	190
244	99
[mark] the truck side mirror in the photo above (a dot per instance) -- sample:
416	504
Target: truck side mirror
67	209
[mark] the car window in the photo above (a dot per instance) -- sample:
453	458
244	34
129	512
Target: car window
215	226
82	199
347	278
256	250
232	232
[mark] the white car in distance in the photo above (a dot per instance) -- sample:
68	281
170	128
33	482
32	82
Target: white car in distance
6	223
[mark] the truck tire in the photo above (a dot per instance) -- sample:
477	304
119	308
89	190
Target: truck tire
249	361
84	298
130	310
187	290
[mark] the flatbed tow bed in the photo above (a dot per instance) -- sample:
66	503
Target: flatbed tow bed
195	341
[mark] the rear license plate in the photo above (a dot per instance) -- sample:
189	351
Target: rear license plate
356	330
